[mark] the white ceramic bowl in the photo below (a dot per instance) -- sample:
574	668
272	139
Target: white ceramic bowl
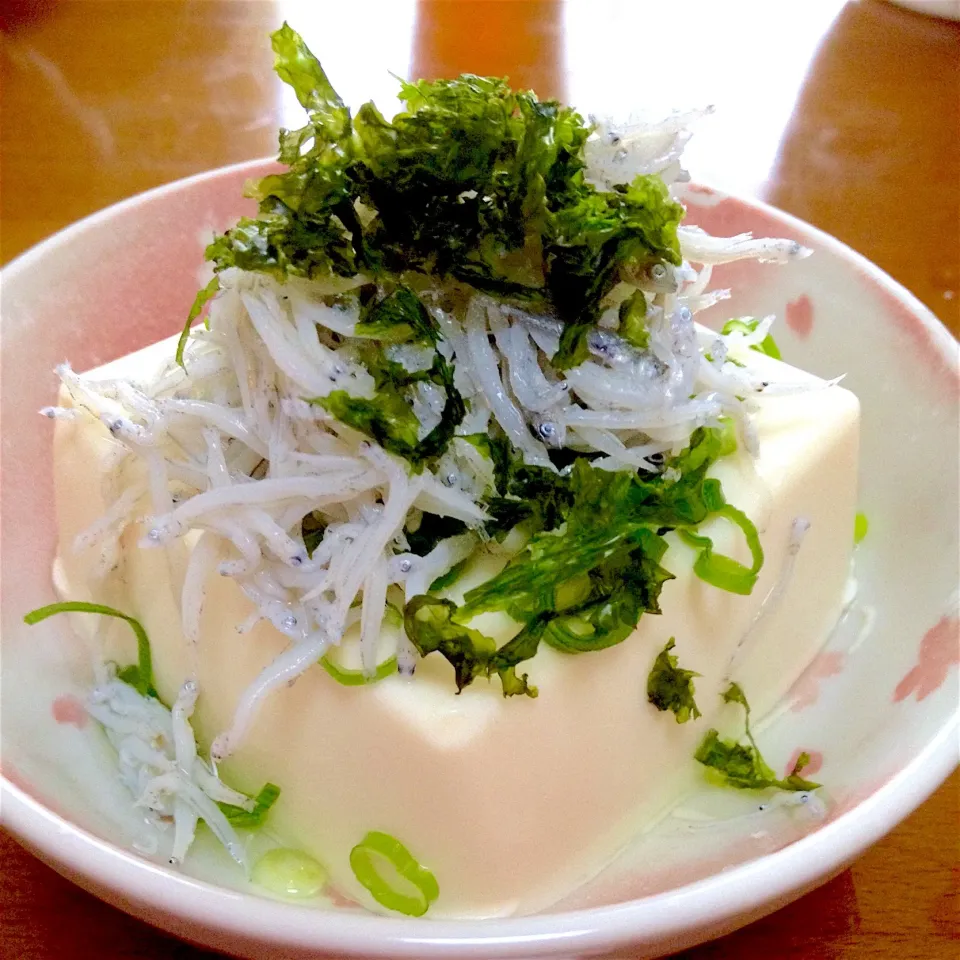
877	708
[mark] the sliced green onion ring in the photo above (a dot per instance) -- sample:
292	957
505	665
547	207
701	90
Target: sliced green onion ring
410	890
140	676
722	571
357	678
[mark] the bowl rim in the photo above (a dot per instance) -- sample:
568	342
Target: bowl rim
683	916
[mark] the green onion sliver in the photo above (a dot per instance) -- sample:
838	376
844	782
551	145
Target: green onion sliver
722	571
252	819
769	346
141	676
728	437
387	869
212	288
860	527
357	678
748	325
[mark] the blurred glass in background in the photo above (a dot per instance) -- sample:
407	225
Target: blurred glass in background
844	113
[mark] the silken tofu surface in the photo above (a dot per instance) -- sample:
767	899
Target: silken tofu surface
510	802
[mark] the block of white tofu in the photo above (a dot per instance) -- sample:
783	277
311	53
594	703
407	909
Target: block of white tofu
514	802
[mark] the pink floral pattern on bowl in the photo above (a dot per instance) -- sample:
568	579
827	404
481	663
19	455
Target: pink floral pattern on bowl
883	693
70	709
939	650
799	316
806	691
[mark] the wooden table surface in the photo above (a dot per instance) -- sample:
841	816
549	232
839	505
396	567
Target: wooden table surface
845	114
